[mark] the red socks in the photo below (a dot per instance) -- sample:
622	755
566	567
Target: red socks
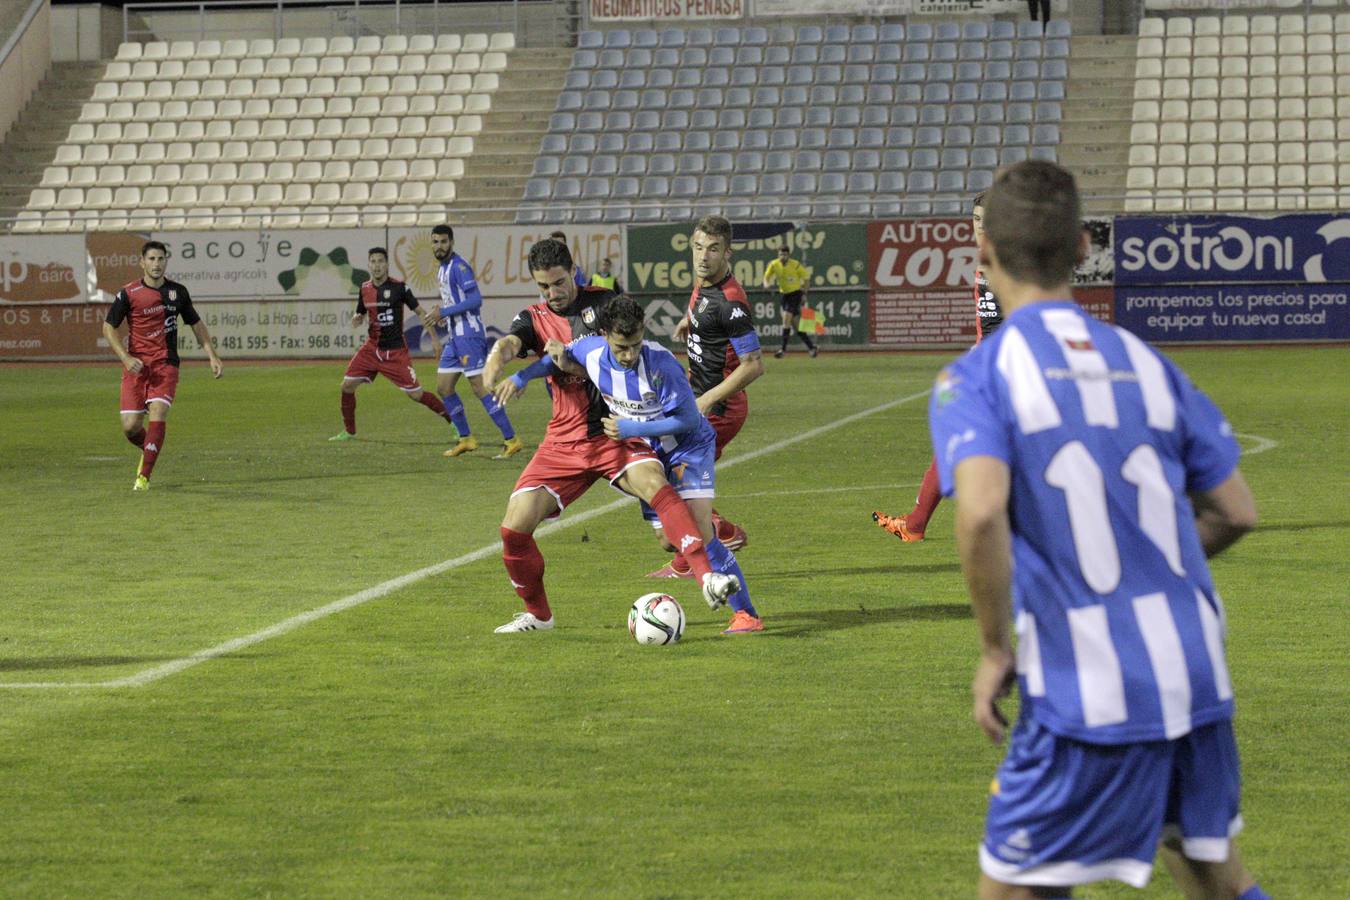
433	403
525	567
681	530
137	438
930	495
349	412
725	530
154	442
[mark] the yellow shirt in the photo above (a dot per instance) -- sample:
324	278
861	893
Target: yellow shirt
790	277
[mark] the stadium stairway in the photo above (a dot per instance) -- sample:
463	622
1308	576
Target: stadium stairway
41	128
1095	133
504	152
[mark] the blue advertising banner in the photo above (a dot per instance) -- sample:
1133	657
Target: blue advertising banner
1232	249
1248	312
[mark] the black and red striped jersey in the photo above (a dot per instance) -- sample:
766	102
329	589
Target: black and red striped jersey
384	303
578	407
721	328
152	315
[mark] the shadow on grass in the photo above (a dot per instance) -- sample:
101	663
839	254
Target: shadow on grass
793	624
1301	526
37	663
757	576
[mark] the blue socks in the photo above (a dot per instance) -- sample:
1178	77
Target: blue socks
498	416
454	408
723	561
1254	893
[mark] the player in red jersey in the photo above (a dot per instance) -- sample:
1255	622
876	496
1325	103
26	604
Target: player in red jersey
724	356
385	352
988	316
575	452
151	308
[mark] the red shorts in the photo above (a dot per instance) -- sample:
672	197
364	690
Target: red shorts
396	365
728	425
567	468
155	382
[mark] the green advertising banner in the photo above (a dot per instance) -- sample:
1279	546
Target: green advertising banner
660	276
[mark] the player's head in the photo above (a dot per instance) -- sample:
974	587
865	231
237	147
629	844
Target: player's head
711	245
784	253
442	242
624	326
154	259
553	272
559	236
606	265
977	215
1034	234
378	258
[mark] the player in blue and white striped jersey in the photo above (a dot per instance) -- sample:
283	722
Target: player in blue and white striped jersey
1092	481
649	397
465	351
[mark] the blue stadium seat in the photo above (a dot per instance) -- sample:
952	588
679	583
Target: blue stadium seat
547	166
842	138
647	37
1056	50
713	186
862	183
681	99
625	187
904	114
701	124
755	139
864	34
555	144
802	183
666	58
1058	28
1049	111
1002	31
610	142
638	58
1016	135
1026	70
783	139
861	54
639	142
773	76
647	120
538	189
966	92
908	93
944	72
805	54
720	163
855	74
880	95
630	164
750	56
875	116
1000	70
1020	112
727	141
933	115
915	53
937	92
980	180
619	37
610	59
1045	136
661	164
871	138
827	74
837	161
812	139
1050	90
693	57
756	35
1028	50
920	31
684	186
652	98
577	80
624	100
836	34
731	120
749	161
633	79
1009	155
699	37
591	40
672	37
1055	70
605	164
943	53
690	164
764	100
971	72
562	122
808	160
891	179
947	31
989	113
889	53
801	74
567	189
745	76
744	185
961	114
913	74
988	136
727	37
891	33
590	121
1047	154
1030	29
722	56
775	55
957	136
809	34
923	158
675	120
899	135
569	101
971	51
576	166
778	161
1000	50
773	184
1022	91
954	158
709	98
975	31
818	116
831	183
791	116
868	160
852	94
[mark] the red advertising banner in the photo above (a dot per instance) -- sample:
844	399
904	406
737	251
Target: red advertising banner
53	330
1098	302
922	281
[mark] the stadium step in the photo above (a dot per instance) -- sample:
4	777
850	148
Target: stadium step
1097	109
1095	133
1103	46
1082	156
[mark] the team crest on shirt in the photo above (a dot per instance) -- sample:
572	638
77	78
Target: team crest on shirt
649	397
945	387
703	304
1084	345
588	316
388	294
173	295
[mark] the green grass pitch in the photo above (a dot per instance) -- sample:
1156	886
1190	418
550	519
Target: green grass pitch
400	748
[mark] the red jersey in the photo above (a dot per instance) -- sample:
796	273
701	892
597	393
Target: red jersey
152	317
383	305
577	405
719	321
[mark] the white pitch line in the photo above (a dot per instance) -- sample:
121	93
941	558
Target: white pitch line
173	667
1262	443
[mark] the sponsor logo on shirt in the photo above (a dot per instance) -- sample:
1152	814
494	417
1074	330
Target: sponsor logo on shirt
738	313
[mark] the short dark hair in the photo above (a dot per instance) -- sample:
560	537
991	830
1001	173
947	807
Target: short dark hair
547	254
558	236
1034	220
714	226
622	315
380	250
979	199
445	230
784	249
154	245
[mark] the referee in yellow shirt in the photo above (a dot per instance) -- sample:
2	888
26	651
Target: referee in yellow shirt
791	278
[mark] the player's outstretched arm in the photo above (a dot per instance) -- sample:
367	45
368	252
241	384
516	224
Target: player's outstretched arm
1224	514
204	338
681	332
984	543
751	367
506	348
358	320
129	362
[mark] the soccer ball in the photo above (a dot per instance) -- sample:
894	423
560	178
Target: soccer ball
656	619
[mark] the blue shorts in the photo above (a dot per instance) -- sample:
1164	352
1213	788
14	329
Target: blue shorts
463	353
1063	812
690	472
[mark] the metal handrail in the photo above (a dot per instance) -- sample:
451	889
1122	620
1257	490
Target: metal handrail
34	7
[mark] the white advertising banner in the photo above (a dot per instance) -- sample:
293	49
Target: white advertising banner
665	10
886	7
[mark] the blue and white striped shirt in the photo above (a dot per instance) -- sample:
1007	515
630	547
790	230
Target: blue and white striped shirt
461	301
1120	631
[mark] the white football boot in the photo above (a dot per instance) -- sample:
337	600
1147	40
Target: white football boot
717	587
525	621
